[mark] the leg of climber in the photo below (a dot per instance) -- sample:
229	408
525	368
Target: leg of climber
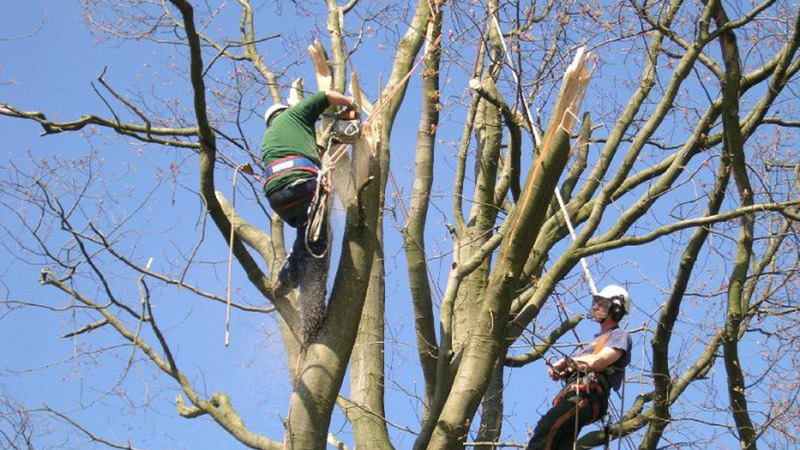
556	429
291	204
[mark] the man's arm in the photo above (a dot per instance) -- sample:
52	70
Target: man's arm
585	363
335	98
600	361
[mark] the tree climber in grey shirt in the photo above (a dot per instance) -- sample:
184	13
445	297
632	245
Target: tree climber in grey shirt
598	367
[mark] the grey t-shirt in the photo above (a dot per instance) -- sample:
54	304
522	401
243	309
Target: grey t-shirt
617	339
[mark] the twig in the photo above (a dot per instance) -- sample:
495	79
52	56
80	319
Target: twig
86	329
88	433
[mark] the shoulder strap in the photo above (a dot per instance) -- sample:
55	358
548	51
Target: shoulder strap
600	343
598	347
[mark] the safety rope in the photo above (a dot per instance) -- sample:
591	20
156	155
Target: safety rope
572	234
621	410
230	258
320	202
577	416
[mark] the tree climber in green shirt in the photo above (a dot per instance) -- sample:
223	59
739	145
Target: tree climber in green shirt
293	160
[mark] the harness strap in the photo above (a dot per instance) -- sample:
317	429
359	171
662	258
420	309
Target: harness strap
299	201
582	384
600	378
598	347
289	164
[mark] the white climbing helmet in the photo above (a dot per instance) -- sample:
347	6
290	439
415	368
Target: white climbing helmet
273	111
616	295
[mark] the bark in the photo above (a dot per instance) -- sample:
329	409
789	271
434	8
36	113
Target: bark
336	31
550	232
367	359
597	206
480	224
487	199
733	143
367	375
414	231
591	211
669	314
325	359
367	363
492	409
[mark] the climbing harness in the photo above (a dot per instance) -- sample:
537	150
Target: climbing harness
290	163
583	385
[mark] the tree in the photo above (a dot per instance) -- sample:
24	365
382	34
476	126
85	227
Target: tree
701	94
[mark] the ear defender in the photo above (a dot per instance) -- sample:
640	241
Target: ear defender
616	310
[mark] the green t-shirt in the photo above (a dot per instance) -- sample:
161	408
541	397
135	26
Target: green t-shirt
292	134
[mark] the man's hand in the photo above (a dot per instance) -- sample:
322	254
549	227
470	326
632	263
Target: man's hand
337	99
349	114
559	370
581	366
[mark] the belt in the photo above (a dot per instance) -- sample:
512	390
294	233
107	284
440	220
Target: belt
289	164
584	383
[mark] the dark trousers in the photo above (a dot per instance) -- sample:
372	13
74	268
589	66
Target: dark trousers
302	269
556	429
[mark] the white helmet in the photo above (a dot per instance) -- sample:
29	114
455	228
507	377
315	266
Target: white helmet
273	111
617	295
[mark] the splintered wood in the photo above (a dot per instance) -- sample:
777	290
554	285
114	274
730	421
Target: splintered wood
364	106
295	92
570	96
322	68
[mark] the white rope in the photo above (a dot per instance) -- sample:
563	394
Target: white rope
319	203
230	263
317	211
513	72
585	266
621	411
